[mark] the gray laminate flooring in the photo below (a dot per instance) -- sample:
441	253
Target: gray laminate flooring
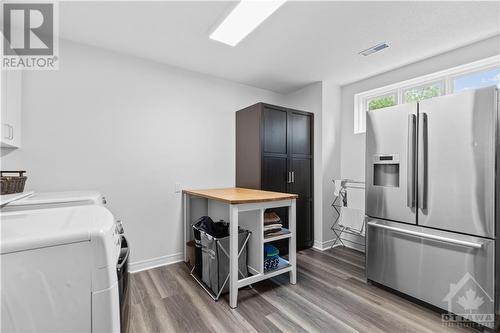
331	295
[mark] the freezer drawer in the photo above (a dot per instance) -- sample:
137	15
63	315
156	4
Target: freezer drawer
450	271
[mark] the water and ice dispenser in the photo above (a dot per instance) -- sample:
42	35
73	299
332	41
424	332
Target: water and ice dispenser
386	170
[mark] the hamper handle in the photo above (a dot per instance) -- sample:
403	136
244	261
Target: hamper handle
19	172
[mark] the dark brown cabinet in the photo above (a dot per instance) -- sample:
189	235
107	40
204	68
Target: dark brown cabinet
274	152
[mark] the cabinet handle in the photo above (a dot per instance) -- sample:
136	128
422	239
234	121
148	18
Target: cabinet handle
293	176
289	177
10	133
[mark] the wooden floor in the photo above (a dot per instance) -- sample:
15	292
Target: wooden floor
331	295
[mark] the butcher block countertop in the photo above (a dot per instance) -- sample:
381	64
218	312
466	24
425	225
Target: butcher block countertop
236	195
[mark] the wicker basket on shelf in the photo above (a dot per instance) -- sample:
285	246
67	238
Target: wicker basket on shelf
13	183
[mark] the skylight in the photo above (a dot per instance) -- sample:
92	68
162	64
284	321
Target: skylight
245	17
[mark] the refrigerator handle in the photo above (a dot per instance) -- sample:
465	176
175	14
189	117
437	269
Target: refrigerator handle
410	182
422	161
427	236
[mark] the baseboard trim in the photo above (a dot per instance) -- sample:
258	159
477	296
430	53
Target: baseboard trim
322	246
143	265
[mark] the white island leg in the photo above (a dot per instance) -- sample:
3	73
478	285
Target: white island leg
187	223
292	244
233	256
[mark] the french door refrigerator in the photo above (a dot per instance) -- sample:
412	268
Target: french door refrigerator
432	201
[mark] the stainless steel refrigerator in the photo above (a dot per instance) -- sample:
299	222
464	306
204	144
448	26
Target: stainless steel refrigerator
433	199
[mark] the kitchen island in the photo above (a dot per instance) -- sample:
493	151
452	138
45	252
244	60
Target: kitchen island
244	208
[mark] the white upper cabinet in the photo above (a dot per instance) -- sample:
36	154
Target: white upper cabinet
10	101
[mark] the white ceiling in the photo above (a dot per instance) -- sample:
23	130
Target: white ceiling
301	43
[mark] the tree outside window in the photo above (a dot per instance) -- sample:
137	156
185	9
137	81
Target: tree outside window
420	93
381	102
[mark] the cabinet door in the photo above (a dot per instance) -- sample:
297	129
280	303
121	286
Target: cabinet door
5	130
14	106
301	133
274	174
303	186
11	108
275	131
301	166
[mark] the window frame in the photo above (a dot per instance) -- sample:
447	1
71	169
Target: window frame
446	77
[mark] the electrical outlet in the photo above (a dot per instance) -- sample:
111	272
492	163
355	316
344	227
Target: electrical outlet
177	188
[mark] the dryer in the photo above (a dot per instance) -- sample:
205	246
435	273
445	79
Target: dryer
59	270
50	200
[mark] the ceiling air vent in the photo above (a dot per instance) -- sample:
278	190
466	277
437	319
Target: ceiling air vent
374	49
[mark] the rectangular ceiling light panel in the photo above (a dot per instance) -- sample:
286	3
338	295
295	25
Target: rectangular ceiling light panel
245	17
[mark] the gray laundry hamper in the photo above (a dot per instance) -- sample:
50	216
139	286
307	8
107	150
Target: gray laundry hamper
215	258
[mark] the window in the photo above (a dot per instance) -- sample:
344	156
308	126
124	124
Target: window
477	80
479	74
381	102
420	93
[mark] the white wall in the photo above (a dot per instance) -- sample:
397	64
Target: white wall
131	129
331	120
353	145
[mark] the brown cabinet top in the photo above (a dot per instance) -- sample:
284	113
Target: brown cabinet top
236	195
